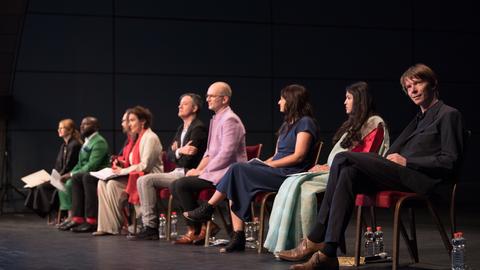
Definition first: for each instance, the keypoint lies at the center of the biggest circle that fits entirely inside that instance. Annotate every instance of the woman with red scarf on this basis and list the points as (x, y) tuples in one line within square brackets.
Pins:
[(145, 157)]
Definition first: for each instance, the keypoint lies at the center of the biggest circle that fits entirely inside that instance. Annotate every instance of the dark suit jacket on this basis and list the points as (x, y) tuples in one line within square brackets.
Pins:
[(67, 156), (197, 133), (434, 148)]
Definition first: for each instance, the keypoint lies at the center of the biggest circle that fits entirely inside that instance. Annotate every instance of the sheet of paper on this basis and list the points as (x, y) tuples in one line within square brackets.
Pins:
[(299, 174), (36, 178), (56, 182), (105, 174), (258, 161)]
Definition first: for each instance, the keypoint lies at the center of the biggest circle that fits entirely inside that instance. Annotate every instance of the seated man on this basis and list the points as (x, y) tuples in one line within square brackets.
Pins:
[(186, 151), (425, 153), (93, 157), (226, 145)]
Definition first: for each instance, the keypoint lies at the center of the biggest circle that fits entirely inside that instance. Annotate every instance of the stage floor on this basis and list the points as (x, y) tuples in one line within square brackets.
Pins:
[(27, 242)]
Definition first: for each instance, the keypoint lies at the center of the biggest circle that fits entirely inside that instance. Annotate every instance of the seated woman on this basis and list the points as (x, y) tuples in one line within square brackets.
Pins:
[(42, 199), (295, 207), (145, 157), (294, 153)]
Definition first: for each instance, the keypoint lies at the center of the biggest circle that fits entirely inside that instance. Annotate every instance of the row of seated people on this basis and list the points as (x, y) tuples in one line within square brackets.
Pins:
[(428, 149)]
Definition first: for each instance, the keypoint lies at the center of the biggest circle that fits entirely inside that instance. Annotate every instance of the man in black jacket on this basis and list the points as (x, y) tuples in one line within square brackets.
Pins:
[(186, 151), (425, 153)]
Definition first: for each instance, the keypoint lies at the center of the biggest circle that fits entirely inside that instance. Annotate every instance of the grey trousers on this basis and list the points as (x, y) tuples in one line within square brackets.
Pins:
[(147, 186)]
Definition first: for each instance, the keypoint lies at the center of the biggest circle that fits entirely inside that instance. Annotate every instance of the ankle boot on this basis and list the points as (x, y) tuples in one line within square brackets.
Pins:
[(200, 214), (236, 244)]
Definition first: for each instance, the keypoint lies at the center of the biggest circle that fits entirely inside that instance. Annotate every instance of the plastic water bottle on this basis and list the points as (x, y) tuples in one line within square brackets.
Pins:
[(174, 220), (458, 251), (249, 237), (378, 240), (162, 222), (251, 233), (256, 227), (369, 242)]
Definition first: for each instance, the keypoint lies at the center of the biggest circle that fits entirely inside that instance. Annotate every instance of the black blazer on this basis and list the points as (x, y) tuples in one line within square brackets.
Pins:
[(198, 134), (67, 157), (434, 149)]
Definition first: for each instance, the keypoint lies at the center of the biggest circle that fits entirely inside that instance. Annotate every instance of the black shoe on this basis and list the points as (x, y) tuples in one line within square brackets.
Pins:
[(202, 213), (236, 244), (148, 233), (85, 228), (69, 225), (63, 223)]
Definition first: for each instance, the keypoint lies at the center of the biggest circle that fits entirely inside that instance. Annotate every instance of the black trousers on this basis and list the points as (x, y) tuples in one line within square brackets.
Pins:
[(84, 195), (42, 199), (353, 173), (185, 192)]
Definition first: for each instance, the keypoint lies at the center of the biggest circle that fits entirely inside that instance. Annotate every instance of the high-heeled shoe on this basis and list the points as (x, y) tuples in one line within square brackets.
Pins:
[(236, 244), (200, 214)]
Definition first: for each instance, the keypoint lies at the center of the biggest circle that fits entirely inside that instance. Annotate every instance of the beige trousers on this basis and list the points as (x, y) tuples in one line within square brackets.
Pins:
[(111, 201)]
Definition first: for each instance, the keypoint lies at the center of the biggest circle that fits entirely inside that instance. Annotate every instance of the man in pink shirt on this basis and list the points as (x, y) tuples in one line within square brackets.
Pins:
[(226, 145)]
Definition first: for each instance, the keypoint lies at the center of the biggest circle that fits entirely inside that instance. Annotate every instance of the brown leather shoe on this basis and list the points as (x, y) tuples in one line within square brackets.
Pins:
[(200, 239), (302, 252), (318, 261), (186, 239)]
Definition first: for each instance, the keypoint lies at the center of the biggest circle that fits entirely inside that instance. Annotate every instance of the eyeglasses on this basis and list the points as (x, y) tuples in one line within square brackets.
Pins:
[(213, 96)]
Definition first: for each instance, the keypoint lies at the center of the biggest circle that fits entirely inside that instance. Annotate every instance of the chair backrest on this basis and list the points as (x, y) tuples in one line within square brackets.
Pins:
[(168, 165), (453, 217), (317, 150), (253, 151)]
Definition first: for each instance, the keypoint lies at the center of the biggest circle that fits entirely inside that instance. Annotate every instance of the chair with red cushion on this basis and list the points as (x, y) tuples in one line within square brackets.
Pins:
[(397, 201), (164, 193), (263, 198), (253, 151)]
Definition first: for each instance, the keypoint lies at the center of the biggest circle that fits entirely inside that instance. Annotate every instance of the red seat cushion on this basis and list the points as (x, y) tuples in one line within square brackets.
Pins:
[(364, 200), (164, 193), (388, 198), (206, 194)]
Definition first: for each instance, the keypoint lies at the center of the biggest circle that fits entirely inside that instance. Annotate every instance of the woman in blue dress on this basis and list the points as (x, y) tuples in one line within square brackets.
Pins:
[(294, 153)]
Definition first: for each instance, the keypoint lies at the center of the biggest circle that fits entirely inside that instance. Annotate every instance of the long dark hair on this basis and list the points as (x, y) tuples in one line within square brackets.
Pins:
[(297, 105), (362, 109)]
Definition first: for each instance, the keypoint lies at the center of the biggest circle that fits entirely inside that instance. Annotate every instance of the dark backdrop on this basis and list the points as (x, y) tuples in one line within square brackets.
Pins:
[(98, 57)]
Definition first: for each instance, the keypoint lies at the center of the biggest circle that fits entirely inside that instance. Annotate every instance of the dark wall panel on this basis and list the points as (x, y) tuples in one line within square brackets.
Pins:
[(160, 94), (42, 99), (340, 53), (382, 14), (248, 10), (462, 16), (454, 56), (86, 7), (151, 46), (66, 43)]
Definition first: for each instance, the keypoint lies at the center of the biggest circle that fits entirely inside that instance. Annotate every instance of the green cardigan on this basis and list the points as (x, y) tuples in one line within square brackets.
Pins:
[(93, 156)]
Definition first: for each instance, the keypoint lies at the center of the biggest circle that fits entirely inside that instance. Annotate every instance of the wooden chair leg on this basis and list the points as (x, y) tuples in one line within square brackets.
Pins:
[(207, 234), (358, 236), (59, 215), (395, 238), (263, 210), (169, 218), (440, 227), (133, 216), (413, 236)]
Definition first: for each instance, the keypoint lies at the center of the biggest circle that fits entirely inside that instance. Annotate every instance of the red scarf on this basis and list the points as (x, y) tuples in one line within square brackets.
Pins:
[(126, 151), (131, 188)]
